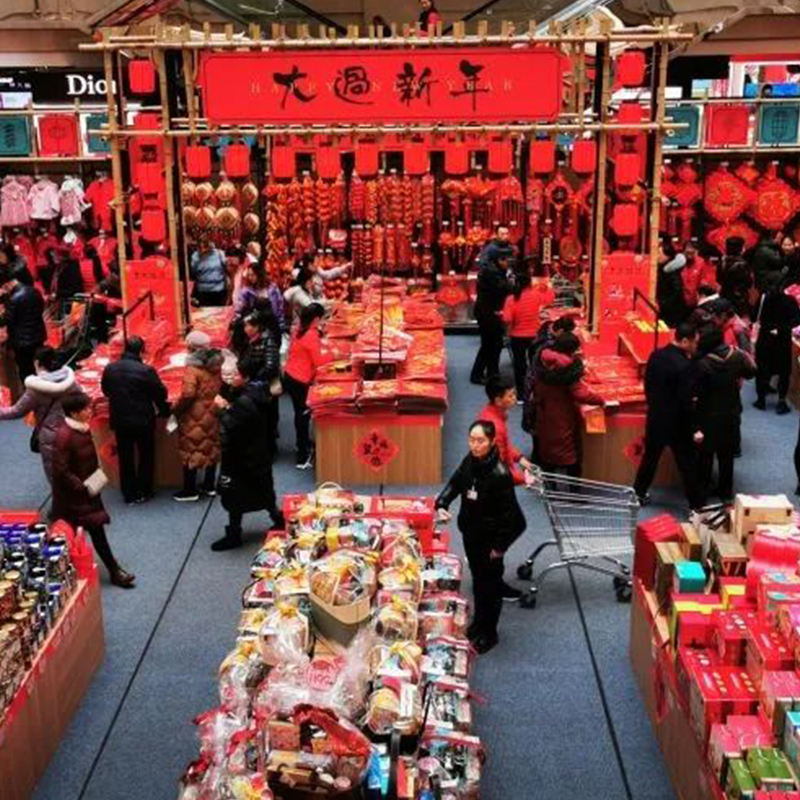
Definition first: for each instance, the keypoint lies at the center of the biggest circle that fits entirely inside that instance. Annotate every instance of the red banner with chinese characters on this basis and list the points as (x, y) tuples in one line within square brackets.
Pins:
[(158, 275), (385, 86), (622, 272)]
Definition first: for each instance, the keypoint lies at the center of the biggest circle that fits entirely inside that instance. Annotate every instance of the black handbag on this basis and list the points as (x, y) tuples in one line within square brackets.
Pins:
[(35, 446)]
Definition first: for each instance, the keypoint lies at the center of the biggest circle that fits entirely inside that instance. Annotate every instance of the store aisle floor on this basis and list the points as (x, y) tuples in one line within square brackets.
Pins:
[(562, 716)]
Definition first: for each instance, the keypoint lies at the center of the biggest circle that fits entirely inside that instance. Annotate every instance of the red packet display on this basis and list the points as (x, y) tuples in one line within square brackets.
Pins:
[(732, 630), (767, 650)]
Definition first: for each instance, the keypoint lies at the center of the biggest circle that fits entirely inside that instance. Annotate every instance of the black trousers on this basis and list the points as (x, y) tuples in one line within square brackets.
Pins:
[(209, 299), (302, 416), (774, 357), (136, 448), (24, 358), (519, 349), (190, 479), (487, 584), (487, 360), (724, 451), (97, 533), (685, 457)]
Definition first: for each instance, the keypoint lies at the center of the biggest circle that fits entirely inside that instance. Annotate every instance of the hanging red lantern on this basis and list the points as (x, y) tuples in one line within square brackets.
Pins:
[(415, 158), (543, 157), (328, 165), (627, 169), (237, 160), (147, 121), (150, 177), (500, 156), (584, 156), (198, 161), (142, 76), (631, 66), (456, 158), (625, 219), (282, 162), (367, 159), (154, 225)]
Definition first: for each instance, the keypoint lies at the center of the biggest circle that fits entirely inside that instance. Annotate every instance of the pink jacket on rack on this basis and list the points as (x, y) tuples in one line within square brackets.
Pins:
[(71, 196), (43, 200), (14, 204)]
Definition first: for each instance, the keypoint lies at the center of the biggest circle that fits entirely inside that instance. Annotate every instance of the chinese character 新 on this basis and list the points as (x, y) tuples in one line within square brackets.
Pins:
[(351, 84), (412, 86), (290, 81), (472, 79)]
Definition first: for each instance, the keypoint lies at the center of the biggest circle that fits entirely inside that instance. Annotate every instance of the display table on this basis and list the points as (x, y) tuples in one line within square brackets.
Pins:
[(51, 692)]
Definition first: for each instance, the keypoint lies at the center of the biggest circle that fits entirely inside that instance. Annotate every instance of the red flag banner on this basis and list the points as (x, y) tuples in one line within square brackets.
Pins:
[(388, 86)]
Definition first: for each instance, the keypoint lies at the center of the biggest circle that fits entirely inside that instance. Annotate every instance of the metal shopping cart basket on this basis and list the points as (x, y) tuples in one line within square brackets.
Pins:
[(593, 525)]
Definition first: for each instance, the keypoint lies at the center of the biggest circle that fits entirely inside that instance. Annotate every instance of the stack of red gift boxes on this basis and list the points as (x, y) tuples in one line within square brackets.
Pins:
[(731, 644)]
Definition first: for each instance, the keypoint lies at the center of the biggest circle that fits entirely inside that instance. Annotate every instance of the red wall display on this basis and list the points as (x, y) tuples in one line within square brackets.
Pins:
[(727, 125), (156, 274), (58, 135), (493, 84), (622, 273)]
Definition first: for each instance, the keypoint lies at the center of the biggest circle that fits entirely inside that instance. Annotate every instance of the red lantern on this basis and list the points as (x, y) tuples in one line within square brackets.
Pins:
[(627, 169), (543, 157), (142, 76), (625, 219), (584, 156), (147, 121), (366, 158), (631, 67), (328, 164), (154, 225), (150, 177), (198, 161), (456, 158), (415, 159), (501, 156), (237, 160), (282, 161)]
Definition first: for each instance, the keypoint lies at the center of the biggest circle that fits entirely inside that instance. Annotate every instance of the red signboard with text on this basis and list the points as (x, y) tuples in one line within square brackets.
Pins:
[(156, 274), (382, 86)]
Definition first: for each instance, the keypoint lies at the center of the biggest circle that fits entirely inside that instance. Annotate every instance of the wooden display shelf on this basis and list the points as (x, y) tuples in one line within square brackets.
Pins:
[(53, 688), (418, 462)]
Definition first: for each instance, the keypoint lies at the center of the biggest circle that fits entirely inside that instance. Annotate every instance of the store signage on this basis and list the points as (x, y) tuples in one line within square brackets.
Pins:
[(382, 86), (155, 274), (56, 85)]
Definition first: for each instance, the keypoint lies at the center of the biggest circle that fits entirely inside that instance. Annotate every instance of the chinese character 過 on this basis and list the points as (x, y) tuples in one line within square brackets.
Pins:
[(412, 86), (352, 83), (289, 82), (472, 79)]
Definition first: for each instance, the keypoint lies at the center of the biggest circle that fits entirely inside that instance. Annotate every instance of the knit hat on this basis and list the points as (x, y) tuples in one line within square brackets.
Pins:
[(197, 340)]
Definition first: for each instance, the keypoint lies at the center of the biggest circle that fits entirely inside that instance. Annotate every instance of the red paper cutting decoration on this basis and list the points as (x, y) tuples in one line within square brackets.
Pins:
[(727, 125), (237, 160), (631, 67), (625, 219), (774, 201), (154, 225), (58, 135), (415, 159), (719, 236), (627, 168), (584, 156), (376, 450), (282, 163), (726, 197), (456, 158), (198, 161), (501, 156), (367, 159), (543, 157), (142, 76)]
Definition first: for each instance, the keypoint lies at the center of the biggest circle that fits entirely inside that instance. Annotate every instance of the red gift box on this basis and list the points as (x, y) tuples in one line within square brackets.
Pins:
[(688, 662), (750, 730), (743, 691), (767, 650), (662, 528), (780, 691), (732, 630), (695, 629), (709, 701), (722, 747), (775, 589)]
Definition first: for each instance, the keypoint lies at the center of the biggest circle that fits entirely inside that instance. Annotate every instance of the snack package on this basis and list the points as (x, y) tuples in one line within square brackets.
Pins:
[(251, 620), (444, 614), (394, 705), (448, 705), (291, 581), (269, 558), (284, 635), (303, 546), (259, 594), (404, 579), (396, 621), (446, 656), (352, 534), (442, 573), (343, 578), (398, 660), (239, 675), (455, 759), (398, 545)]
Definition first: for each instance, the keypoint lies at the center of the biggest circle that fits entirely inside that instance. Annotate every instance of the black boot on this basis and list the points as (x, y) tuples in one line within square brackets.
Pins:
[(278, 521), (230, 541)]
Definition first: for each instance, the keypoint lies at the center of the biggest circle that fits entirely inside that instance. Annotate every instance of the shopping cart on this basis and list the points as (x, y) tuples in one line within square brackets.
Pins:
[(593, 525)]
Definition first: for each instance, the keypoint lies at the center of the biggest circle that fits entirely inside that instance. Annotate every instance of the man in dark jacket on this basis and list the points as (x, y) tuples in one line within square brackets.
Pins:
[(135, 393), (767, 262), (493, 288), (23, 319), (668, 387), (496, 248), (718, 410), (246, 482)]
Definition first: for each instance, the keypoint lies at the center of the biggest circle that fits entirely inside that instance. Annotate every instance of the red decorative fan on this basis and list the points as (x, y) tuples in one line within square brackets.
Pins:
[(726, 197)]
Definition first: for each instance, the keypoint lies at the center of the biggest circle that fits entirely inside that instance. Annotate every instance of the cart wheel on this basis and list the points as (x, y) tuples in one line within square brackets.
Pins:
[(625, 570), (620, 583), (624, 594), (525, 572), (528, 600)]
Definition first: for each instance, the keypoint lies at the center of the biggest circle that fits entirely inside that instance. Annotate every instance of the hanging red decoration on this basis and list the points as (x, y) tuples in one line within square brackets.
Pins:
[(328, 164), (150, 177), (415, 159), (376, 450), (726, 197), (727, 124), (367, 159), (584, 156), (500, 156), (625, 219), (142, 76), (237, 160), (154, 225), (627, 169), (456, 158), (58, 135), (631, 112), (198, 161), (719, 236), (631, 66), (282, 163), (774, 202), (748, 172), (543, 157)]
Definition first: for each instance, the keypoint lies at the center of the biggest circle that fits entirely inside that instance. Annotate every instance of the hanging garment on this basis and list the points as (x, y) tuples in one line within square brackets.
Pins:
[(14, 204), (23, 245), (43, 200), (100, 193), (72, 198), (106, 248)]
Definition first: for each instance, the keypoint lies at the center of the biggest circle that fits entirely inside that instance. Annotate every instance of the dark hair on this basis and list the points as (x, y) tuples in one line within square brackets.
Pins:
[(734, 246), (307, 316), (486, 425), (47, 358), (564, 324), (685, 330), (5, 275), (710, 339), (722, 306), (704, 290), (567, 343), (260, 273), (497, 386), (248, 367), (668, 247), (9, 251), (522, 281), (74, 402), (304, 275), (134, 345)]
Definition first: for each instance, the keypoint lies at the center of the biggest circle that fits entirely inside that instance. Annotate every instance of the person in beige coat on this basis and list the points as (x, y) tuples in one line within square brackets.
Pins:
[(198, 425)]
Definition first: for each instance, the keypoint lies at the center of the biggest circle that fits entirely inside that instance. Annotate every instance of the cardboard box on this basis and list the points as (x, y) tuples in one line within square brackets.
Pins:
[(752, 510), (691, 542), (727, 555), (661, 528), (339, 624), (689, 577), (667, 555)]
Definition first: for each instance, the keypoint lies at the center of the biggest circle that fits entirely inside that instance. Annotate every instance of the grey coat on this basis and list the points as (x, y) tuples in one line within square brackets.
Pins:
[(43, 395)]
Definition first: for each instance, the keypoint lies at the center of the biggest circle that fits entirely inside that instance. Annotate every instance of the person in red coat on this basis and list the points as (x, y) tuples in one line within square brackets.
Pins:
[(559, 392), (305, 356), (77, 482), (429, 17)]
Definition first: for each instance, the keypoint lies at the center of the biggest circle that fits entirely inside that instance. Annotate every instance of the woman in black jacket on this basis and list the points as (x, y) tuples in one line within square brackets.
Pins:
[(246, 483), (490, 520), (22, 317)]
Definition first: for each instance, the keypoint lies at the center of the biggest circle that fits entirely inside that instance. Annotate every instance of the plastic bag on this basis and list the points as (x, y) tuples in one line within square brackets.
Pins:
[(284, 635), (396, 621), (343, 578)]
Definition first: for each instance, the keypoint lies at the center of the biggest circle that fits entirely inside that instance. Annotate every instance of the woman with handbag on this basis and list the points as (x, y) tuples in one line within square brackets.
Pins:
[(305, 357), (78, 482), (43, 395)]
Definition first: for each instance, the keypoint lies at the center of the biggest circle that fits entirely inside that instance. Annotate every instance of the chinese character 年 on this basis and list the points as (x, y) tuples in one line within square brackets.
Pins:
[(472, 79), (289, 81)]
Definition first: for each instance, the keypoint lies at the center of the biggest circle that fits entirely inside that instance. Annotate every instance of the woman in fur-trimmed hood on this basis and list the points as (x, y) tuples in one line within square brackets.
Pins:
[(43, 394)]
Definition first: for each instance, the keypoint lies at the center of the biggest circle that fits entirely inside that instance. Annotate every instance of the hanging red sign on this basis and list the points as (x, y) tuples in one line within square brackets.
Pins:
[(156, 274), (376, 450), (459, 85)]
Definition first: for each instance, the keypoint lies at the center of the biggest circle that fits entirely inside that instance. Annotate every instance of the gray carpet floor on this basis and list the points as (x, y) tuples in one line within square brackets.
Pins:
[(562, 716)]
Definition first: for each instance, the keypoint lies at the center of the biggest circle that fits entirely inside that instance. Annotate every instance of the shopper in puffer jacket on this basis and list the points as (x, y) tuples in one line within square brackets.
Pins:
[(44, 392), (490, 520), (23, 318), (559, 392), (198, 424)]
